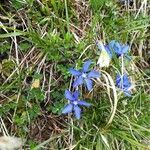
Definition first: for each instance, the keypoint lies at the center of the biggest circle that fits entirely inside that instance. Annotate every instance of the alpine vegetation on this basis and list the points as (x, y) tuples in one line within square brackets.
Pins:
[(75, 74), (85, 75)]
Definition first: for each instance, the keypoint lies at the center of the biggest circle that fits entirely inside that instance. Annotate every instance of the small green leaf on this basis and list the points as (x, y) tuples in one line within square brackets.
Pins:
[(11, 34)]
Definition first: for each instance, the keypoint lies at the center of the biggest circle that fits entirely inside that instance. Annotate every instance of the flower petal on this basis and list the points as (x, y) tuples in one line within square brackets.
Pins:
[(123, 82), (86, 65), (77, 112), (76, 94), (67, 109), (126, 81), (108, 50), (74, 72), (115, 47), (125, 49), (118, 49), (84, 103), (118, 79), (69, 95), (93, 74), (111, 44), (78, 81), (89, 84)]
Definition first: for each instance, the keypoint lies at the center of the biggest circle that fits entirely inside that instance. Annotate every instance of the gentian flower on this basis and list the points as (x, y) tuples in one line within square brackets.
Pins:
[(123, 82), (107, 52), (74, 103), (117, 48), (84, 75)]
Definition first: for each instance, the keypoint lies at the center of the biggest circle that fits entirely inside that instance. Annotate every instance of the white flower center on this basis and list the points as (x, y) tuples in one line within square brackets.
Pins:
[(84, 75), (75, 102)]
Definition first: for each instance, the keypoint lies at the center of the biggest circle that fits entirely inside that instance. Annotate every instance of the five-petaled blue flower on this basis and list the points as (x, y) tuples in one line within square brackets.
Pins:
[(74, 103), (114, 48), (84, 75), (123, 82), (117, 48)]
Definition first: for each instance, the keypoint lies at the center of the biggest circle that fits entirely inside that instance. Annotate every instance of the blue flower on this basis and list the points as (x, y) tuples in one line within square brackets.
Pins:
[(123, 82), (117, 48), (84, 75), (114, 47), (74, 103), (108, 50)]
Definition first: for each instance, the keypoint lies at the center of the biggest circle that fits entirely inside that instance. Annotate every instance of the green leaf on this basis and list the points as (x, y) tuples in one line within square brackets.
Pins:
[(11, 34), (99, 145)]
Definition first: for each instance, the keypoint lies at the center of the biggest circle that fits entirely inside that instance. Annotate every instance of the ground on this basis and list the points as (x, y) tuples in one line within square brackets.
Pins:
[(41, 40)]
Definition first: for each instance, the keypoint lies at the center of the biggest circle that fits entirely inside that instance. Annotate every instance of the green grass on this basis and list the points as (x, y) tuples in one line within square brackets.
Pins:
[(40, 41)]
